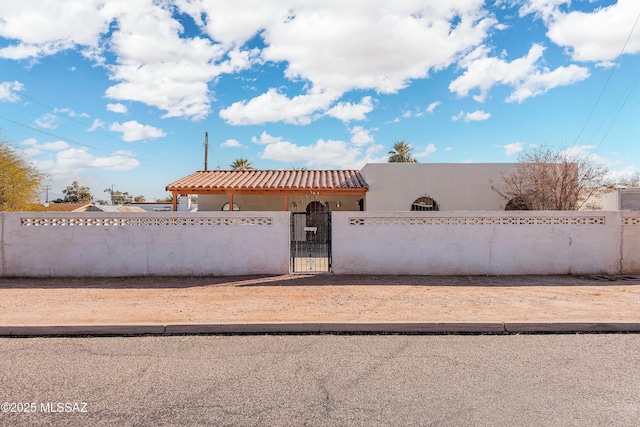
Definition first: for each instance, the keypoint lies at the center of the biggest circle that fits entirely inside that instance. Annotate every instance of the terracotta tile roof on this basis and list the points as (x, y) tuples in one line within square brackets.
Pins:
[(276, 180)]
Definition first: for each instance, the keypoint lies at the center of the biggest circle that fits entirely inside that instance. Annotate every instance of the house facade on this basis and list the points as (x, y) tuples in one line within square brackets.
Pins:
[(381, 187), (273, 190)]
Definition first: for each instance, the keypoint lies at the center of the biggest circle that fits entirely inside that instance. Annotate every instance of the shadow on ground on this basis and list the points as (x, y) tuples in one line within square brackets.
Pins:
[(157, 282)]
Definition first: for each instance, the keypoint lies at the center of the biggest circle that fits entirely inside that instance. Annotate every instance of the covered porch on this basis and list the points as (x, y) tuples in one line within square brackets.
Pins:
[(273, 190)]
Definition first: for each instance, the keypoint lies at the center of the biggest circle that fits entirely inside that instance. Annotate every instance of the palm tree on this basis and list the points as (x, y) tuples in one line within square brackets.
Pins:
[(241, 165), (401, 153)]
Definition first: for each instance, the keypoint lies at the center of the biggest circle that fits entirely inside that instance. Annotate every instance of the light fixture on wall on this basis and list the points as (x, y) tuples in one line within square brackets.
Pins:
[(338, 204), (294, 205)]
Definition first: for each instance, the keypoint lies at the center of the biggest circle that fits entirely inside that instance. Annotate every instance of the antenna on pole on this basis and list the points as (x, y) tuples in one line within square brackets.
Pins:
[(206, 149)]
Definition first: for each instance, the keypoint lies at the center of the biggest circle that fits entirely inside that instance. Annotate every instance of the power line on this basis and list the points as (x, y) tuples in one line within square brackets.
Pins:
[(604, 88), (76, 143)]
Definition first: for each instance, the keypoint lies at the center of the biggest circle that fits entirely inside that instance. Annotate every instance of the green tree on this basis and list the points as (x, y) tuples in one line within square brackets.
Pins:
[(139, 199), (401, 153), (241, 164), (76, 193), (19, 181), (118, 197)]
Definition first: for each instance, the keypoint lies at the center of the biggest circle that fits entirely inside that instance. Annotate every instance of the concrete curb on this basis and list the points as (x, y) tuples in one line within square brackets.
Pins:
[(327, 327), (319, 327), (71, 330), (529, 327)]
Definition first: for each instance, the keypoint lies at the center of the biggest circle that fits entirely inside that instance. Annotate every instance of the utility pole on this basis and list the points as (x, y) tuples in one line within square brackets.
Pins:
[(206, 149)]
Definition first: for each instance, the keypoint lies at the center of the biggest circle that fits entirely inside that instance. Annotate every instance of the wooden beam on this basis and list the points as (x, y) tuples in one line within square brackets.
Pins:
[(286, 202)]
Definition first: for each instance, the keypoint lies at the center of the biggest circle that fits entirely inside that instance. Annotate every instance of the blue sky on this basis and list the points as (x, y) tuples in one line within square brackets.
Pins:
[(120, 93)]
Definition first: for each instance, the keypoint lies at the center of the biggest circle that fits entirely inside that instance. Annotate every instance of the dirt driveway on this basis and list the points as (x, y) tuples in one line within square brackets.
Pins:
[(316, 298)]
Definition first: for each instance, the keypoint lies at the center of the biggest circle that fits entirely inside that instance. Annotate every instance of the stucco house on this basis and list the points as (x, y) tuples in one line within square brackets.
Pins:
[(377, 187)]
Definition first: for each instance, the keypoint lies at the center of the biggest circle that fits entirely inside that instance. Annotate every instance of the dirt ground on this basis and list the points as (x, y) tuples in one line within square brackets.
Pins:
[(317, 298)]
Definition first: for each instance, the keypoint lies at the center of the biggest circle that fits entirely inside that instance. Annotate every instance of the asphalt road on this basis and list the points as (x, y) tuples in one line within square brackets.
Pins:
[(323, 380)]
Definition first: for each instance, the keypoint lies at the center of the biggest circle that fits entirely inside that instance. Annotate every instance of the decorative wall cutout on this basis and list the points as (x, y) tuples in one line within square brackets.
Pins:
[(145, 221), (631, 220), (509, 220)]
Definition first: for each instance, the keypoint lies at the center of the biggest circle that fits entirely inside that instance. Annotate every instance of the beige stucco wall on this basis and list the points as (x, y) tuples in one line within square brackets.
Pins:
[(248, 202), (454, 186)]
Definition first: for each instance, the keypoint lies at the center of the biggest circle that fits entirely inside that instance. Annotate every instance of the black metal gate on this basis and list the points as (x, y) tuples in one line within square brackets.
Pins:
[(310, 242)]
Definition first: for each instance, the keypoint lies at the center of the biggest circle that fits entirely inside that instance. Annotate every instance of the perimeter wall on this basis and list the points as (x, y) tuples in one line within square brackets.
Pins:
[(237, 243), (132, 244)]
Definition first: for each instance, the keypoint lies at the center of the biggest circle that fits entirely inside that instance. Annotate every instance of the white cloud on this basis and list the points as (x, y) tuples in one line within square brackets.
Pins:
[(47, 121), (457, 116), (429, 150), (323, 41), (513, 148), (273, 106), (134, 131), (159, 66), (596, 36), (8, 91), (118, 161), (29, 141), (476, 116), (360, 136), (432, 107), (265, 139), (155, 62), (584, 152), (117, 108), (320, 43), (618, 175), (323, 154), (45, 28), (525, 75), (64, 163), (97, 124), (231, 143), (347, 111), (69, 112), (55, 146), (542, 8), (543, 81)]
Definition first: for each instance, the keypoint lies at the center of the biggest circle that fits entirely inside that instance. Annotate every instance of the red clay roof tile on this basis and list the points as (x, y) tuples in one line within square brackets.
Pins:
[(270, 180)]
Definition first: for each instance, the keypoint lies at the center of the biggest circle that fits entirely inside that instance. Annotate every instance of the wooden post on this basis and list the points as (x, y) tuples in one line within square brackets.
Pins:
[(286, 202), (230, 202), (175, 201)]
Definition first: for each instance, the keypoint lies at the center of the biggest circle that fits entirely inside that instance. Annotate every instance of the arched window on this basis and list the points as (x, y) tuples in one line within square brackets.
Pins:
[(518, 203), (424, 204), (315, 207), (225, 207)]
